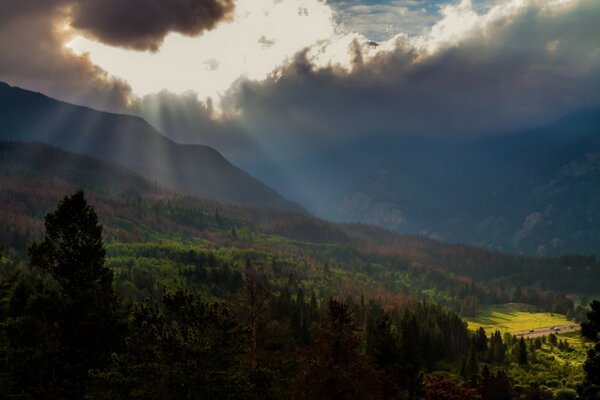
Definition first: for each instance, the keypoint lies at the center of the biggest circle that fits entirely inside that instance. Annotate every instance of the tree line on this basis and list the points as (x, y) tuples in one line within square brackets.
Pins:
[(66, 332)]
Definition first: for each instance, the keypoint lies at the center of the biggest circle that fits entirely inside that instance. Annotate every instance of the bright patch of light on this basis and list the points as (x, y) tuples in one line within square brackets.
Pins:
[(460, 20), (264, 34)]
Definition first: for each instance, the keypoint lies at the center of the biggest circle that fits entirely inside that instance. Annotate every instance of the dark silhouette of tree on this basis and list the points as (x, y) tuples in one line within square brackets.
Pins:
[(522, 358), (30, 340), (72, 251), (472, 367), (481, 341), (409, 371), (590, 329), (334, 367), (383, 346), (252, 306), (439, 387), (497, 349), (189, 349), (495, 386), (80, 323)]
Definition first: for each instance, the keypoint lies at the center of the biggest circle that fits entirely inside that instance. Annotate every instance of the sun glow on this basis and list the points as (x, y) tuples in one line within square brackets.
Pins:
[(263, 34)]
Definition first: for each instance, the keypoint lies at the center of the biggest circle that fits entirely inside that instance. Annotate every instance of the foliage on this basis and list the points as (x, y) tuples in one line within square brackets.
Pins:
[(256, 315), (334, 366), (63, 321), (591, 328), (440, 387), (187, 350)]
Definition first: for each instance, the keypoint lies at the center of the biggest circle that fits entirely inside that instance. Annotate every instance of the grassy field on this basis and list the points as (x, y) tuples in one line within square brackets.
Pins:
[(514, 317)]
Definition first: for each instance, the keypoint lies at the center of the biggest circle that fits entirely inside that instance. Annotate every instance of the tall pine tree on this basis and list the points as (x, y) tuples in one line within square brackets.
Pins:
[(73, 254)]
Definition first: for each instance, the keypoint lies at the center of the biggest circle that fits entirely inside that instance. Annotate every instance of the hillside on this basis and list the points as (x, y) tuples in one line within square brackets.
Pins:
[(338, 258), (532, 192), (172, 258), (131, 142)]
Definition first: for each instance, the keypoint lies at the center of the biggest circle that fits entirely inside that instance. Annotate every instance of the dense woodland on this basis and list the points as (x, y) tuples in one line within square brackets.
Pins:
[(85, 319), (180, 297), (147, 227)]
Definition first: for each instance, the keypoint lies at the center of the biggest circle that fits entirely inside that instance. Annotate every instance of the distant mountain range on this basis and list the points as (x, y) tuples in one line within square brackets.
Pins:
[(133, 143), (35, 177), (533, 192)]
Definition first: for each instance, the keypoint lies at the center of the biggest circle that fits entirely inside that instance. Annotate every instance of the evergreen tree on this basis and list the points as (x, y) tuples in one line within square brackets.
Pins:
[(463, 368), (590, 329), (188, 349), (411, 377), (252, 306), (79, 306), (495, 386), (472, 367), (481, 340), (522, 352), (497, 349), (72, 250), (334, 366)]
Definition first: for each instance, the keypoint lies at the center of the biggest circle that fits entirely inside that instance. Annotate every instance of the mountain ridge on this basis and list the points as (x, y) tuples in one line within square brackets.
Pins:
[(132, 142), (34, 178), (531, 192)]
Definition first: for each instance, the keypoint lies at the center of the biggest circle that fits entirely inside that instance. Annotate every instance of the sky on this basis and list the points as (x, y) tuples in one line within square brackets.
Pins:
[(282, 77)]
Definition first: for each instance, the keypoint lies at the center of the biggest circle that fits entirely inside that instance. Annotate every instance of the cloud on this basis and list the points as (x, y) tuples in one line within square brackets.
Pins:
[(471, 74), (262, 35), (509, 65), (32, 55), (34, 34), (186, 119), (143, 24)]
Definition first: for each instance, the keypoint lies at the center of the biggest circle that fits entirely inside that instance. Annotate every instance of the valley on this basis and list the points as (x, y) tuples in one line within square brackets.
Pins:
[(299, 200), (281, 277)]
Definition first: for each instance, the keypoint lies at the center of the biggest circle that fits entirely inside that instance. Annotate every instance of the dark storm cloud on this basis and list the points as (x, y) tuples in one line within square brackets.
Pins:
[(143, 24), (33, 35), (514, 71), (32, 55)]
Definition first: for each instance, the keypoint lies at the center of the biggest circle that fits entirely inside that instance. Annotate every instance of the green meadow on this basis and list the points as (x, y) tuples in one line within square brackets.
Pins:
[(514, 317)]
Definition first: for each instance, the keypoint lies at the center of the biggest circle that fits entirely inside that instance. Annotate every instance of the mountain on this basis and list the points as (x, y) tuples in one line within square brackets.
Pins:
[(131, 142), (139, 216), (189, 274), (532, 192)]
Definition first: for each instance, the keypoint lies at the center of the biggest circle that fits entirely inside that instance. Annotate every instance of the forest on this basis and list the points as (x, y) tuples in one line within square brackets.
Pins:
[(299, 200), (86, 317)]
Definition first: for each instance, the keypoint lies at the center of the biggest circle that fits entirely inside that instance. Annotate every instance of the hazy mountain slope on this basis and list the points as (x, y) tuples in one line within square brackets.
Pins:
[(34, 177), (130, 141), (534, 192), (31, 162)]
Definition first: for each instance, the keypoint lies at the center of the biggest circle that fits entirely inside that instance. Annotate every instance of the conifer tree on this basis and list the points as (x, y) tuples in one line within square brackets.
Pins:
[(73, 253), (591, 330), (472, 367), (334, 365), (66, 323), (522, 352), (481, 340)]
